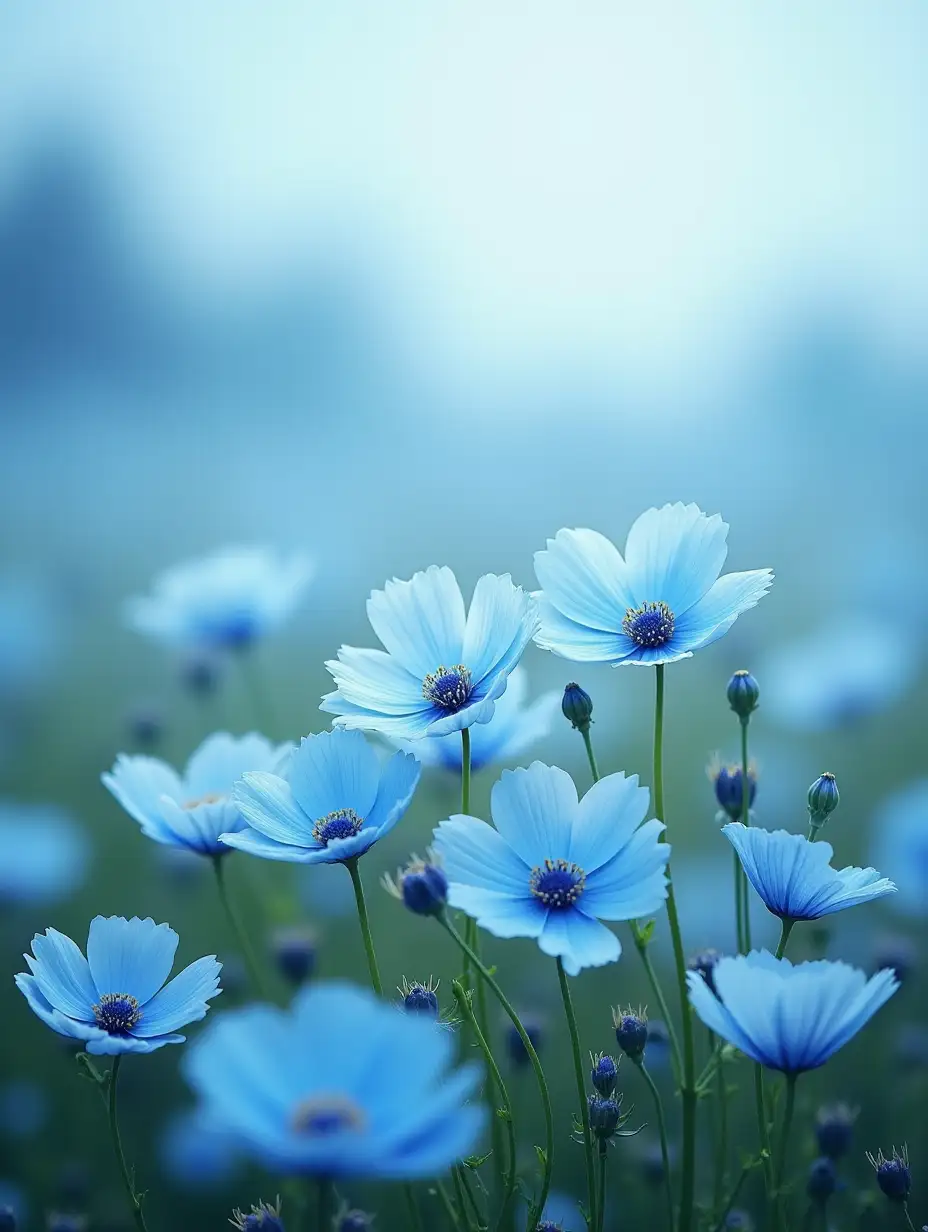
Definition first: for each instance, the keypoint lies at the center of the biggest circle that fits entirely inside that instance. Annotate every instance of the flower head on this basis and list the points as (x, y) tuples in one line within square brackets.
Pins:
[(606, 1116), (116, 1000), (265, 1217), (631, 1032), (442, 670), (333, 803), (705, 963), (794, 877), (788, 1018), (422, 885), (743, 693), (339, 1085), (834, 1128), (194, 1151), (822, 1179), (192, 809), (823, 799), (45, 853), (294, 950), (900, 845), (660, 602), (605, 1073), (892, 1174), (554, 868), (577, 707), (350, 1220), (419, 998), (225, 601), (728, 783)]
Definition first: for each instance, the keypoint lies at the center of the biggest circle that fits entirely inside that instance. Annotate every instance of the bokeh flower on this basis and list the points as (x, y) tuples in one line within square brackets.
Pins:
[(554, 868), (660, 602), (335, 801), (899, 844), (196, 1152), (794, 877), (226, 601), (116, 1000), (513, 729), (443, 669), (192, 809), (339, 1085), (45, 853), (788, 1018)]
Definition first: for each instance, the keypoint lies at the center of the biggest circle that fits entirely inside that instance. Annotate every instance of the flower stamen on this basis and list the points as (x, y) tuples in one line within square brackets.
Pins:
[(320, 1116), (558, 883), (117, 1013), (449, 688), (341, 823), (650, 625)]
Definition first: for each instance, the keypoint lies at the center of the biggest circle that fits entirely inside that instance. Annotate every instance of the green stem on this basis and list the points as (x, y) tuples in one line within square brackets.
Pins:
[(415, 1219), (326, 1194), (465, 770), (601, 1201), (641, 945), (470, 1200), (509, 1186), (134, 1198), (908, 1217), (761, 1102), (786, 929), (449, 1206), (739, 903), (745, 821), (459, 1197), (733, 1196), (721, 1154), (529, 1047), (688, 1085), (241, 938), (580, 1076), (352, 867), (591, 756), (662, 1131), (783, 1148)]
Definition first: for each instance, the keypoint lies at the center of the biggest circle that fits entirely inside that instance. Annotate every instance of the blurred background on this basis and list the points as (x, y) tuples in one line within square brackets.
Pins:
[(423, 283)]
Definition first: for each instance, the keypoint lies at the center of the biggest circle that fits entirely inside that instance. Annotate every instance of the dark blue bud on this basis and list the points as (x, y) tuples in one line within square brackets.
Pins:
[(353, 1221), (822, 1180), (294, 951), (262, 1218), (834, 1130), (631, 1032), (705, 963), (651, 1161), (577, 706), (514, 1046), (548, 1225), (897, 954), (605, 1115), (7, 1219), (57, 1222), (739, 1221), (727, 781), (420, 999), (604, 1074), (743, 693), (892, 1174), (146, 727), (424, 889), (200, 675), (823, 799)]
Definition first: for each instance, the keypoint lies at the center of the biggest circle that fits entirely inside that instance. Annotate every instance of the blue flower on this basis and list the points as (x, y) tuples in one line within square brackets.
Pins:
[(442, 671), (222, 602), (115, 1000), (45, 853), (788, 1018), (195, 1151), (794, 877), (659, 603), (900, 845), (193, 809), (334, 804), (512, 731), (554, 868), (341, 1085)]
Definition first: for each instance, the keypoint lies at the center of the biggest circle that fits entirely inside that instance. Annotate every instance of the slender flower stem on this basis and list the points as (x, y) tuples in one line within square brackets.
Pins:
[(241, 937), (761, 1102), (135, 1199), (580, 1075), (688, 1085), (662, 1131), (739, 904), (459, 1196), (415, 1219), (470, 1200), (326, 1194), (785, 931), (908, 1217), (591, 756), (733, 1196), (641, 945), (601, 1201), (721, 1155), (449, 1206), (352, 867), (532, 1056), (783, 1149), (745, 821)]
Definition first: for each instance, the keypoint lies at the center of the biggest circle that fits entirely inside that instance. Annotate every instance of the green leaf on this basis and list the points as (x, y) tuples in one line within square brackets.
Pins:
[(473, 1162)]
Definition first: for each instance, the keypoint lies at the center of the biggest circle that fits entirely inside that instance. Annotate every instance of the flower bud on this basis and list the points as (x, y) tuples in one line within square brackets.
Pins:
[(822, 1180), (420, 998), (514, 1046), (421, 886), (577, 706), (352, 1221), (823, 799), (605, 1115), (834, 1129), (705, 963), (631, 1032), (892, 1175), (604, 1074), (294, 951), (727, 781), (743, 693)]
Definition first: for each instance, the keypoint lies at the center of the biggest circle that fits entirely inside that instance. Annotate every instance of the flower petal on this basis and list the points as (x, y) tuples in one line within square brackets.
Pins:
[(222, 759), (578, 642), (182, 1000), (130, 956), (420, 622), (62, 974), (578, 941), (585, 578), (399, 779), (674, 554), (333, 771), (255, 843), (607, 817), (138, 783), (376, 681), (535, 811), (42, 1008), (501, 622), (475, 854), (716, 612), (267, 804)]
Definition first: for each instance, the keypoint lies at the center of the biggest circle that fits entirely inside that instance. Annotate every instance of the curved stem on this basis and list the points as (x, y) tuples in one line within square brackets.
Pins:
[(688, 1085), (529, 1047), (446, 1202), (733, 1196), (241, 938), (352, 867), (761, 1103), (509, 1187), (784, 1148), (591, 756), (134, 1199), (908, 1217), (662, 1130), (580, 1076), (641, 945), (787, 928), (601, 1200)]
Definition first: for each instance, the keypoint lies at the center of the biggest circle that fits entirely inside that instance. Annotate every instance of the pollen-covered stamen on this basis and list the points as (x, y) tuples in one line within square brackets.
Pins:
[(342, 823), (117, 1012), (557, 883), (650, 625), (325, 1114), (449, 688), (209, 798)]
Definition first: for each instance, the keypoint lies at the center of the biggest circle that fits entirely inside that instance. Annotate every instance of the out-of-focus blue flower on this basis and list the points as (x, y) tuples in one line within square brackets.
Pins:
[(794, 877), (851, 668), (659, 603), (350, 1220), (514, 728), (554, 868), (788, 1018), (834, 1129), (116, 1000), (535, 1030), (340, 1085), (294, 951), (442, 670), (23, 1109), (335, 802), (225, 601), (196, 1151), (822, 1179), (45, 853), (729, 788), (631, 1031), (705, 962), (192, 810), (900, 844), (899, 954), (13, 1199)]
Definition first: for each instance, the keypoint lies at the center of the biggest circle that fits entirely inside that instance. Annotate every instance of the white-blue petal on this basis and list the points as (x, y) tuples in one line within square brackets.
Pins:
[(716, 612), (333, 771), (500, 624), (420, 622), (475, 854), (130, 956), (673, 555), (535, 810), (607, 817), (398, 781), (267, 804), (578, 941), (583, 575), (43, 1009), (578, 642), (222, 759), (376, 681)]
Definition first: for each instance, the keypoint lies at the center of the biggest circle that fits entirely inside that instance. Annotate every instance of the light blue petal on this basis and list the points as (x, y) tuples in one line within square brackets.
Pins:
[(377, 681), (42, 1008), (222, 759), (480, 709), (634, 882), (138, 783), (585, 578), (716, 1017), (500, 914), (500, 624), (130, 956), (398, 781), (116, 1045), (437, 1145), (267, 803), (350, 717), (608, 815), (650, 656), (673, 555), (198, 828), (580, 643), (578, 941), (182, 1000), (475, 854), (62, 974), (535, 811), (257, 844), (718, 610), (420, 622), (332, 771), (856, 1013)]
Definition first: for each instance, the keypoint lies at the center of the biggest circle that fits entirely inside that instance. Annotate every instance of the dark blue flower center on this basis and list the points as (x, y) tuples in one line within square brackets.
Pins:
[(420, 999), (117, 1013), (320, 1116), (557, 883), (650, 625), (448, 687), (342, 823)]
